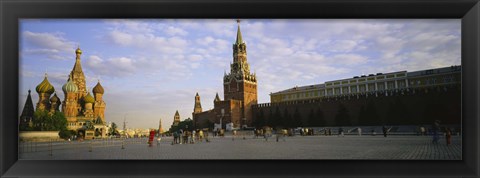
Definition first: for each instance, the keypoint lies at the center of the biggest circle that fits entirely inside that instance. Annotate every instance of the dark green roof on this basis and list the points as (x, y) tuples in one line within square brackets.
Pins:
[(239, 36)]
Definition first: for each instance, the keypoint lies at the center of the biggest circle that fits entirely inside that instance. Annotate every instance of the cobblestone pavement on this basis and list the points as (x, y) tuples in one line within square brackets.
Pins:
[(297, 147)]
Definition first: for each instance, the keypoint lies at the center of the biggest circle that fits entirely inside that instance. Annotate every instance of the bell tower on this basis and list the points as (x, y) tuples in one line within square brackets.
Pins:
[(239, 83)]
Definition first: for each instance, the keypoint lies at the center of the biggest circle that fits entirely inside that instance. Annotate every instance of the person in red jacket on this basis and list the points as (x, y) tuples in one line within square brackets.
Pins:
[(150, 139)]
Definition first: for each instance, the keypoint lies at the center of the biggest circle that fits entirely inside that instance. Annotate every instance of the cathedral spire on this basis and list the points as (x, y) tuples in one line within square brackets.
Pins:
[(27, 112), (78, 66), (239, 34), (217, 98), (198, 106)]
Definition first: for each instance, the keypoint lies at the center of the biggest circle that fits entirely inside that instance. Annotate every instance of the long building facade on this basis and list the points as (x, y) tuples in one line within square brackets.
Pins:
[(398, 98), (380, 83)]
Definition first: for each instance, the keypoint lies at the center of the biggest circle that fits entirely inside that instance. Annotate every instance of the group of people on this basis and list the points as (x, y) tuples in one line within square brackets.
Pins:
[(189, 137)]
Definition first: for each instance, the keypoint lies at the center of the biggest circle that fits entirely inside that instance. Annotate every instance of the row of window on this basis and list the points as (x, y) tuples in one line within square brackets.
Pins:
[(76, 124), (379, 86), (362, 80)]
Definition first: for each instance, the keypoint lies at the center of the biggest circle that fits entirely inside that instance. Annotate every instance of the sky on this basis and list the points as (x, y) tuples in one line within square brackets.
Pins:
[(150, 68)]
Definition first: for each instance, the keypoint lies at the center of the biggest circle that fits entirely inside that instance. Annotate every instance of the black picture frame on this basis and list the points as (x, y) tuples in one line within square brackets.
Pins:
[(12, 11)]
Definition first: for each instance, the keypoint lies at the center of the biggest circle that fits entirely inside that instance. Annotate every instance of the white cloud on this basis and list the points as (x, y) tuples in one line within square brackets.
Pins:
[(113, 67), (172, 31), (52, 45), (348, 59)]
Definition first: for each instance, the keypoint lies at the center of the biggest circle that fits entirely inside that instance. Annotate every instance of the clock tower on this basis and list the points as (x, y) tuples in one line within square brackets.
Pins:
[(239, 83)]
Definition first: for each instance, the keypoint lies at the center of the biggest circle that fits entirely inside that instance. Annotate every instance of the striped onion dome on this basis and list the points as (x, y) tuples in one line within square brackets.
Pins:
[(89, 98), (45, 86), (70, 87)]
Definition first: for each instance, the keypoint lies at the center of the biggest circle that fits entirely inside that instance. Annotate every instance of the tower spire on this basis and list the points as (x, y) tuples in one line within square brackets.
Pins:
[(239, 34)]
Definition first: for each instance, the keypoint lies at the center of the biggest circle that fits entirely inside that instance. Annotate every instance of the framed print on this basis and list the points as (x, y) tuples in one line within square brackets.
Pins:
[(269, 88)]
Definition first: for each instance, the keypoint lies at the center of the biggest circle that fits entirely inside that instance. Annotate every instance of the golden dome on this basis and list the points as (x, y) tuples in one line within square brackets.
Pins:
[(98, 88), (89, 98), (78, 51), (45, 86)]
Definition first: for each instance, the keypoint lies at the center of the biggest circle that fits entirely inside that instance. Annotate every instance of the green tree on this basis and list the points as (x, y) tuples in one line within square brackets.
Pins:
[(113, 129), (187, 124), (45, 121), (39, 118), (342, 118)]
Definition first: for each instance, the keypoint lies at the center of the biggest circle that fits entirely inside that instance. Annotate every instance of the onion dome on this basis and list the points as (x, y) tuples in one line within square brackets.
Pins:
[(45, 86), (98, 88), (70, 87), (54, 99), (78, 51), (89, 98)]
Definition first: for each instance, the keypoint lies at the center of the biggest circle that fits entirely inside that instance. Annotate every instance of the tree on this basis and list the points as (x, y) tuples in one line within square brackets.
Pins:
[(342, 118), (113, 129), (39, 117), (187, 124), (66, 134), (45, 121), (259, 119)]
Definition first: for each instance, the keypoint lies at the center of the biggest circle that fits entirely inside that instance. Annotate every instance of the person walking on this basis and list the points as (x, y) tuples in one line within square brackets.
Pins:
[(448, 136), (359, 131), (193, 136), (340, 132), (175, 138), (435, 129), (385, 130), (151, 137), (200, 135), (422, 130)]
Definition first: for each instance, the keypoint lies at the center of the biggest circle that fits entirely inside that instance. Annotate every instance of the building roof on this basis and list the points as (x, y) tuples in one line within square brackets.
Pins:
[(45, 86), (408, 74), (98, 88), (28, 108), (239, 34)]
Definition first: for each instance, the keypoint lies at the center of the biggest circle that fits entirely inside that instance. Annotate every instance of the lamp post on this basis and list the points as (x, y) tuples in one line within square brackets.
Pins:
[(125, 125)]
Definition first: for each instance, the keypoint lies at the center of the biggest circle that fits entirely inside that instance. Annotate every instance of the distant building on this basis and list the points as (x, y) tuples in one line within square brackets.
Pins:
[(176, 119), (160, 129), (26, 118), (397, 98), (240, 93), (379, 83)]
